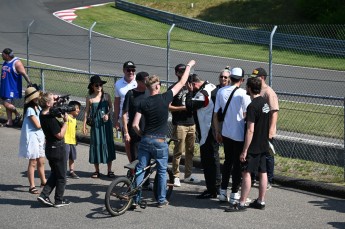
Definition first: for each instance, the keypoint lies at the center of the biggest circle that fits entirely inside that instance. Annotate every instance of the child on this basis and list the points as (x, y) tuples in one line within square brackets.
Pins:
[(32, 139), (70, 138)]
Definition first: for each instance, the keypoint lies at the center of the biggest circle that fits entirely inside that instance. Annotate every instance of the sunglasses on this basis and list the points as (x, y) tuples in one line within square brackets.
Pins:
[(130, 70), (98, 85), (225, 77)]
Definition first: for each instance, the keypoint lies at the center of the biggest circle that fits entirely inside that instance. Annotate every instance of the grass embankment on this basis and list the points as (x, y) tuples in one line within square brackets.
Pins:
[(127, 26)]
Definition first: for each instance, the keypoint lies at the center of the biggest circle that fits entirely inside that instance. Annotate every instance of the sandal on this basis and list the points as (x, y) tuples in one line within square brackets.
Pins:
[(17, 119), (111, 174), (96, 175), (33, 190)]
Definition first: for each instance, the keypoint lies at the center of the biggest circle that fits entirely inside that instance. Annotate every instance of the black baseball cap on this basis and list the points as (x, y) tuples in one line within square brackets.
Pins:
[(259, 72), (180, 67), (129, 64)]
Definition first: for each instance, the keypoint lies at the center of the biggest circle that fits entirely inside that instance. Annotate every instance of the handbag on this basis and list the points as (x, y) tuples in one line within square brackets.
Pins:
[(90, 118), (220, 113)]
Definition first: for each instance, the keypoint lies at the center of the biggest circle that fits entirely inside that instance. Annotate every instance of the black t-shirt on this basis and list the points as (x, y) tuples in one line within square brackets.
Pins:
[(258, 113), (184, 118), (50, 126), (132, 100), (155, 109)]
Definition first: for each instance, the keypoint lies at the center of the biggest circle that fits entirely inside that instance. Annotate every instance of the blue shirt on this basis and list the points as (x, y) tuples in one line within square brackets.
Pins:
[(11, 81)]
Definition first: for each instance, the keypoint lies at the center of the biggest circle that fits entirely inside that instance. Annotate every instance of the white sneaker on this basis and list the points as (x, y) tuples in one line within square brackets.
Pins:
[(177, 182), (191, 179), (234, 198), (223, 196)]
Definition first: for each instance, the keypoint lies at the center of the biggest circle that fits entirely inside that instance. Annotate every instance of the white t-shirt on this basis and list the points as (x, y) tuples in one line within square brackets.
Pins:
[(121, 89), (233, 125)]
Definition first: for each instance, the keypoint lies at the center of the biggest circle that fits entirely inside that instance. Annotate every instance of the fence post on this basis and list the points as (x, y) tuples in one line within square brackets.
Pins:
[(42, 79), (270, 54), (168, 51), (27, 45), (90, 36)]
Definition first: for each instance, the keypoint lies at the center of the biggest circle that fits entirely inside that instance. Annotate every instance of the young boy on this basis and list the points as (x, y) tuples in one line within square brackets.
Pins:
[(70, 138)]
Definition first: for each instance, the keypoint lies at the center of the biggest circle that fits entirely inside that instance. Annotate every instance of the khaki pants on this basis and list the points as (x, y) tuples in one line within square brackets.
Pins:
[(186, 137)]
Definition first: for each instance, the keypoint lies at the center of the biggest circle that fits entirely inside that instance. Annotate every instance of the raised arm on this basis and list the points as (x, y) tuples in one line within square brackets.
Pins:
[(183, 79)]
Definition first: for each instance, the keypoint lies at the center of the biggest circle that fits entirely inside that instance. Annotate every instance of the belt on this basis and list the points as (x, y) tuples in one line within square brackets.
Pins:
[(159, 138)]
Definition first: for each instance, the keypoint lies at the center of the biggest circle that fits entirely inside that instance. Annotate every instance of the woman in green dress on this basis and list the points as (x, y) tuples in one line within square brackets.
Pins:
[(99, 106)]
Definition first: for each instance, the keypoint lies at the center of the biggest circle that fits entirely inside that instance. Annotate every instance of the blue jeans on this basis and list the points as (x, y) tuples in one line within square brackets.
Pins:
[(153, 148)]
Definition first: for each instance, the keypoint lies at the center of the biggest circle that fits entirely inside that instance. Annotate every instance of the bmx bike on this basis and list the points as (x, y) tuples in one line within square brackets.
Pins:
[(123, 192)]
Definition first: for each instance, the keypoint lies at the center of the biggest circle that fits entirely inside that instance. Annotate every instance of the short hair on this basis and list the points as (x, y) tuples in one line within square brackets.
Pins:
[(74, 103), (151, 80), (8, 51), (194, 78), (44, 98), (254, 84)]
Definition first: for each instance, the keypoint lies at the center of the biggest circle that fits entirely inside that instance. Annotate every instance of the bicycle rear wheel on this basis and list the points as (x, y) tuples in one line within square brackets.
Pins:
[(169, 187), (117, 200)]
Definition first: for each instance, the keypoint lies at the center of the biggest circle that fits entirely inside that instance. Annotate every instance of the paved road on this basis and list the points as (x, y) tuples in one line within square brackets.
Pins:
[(65, 45), (286, 208)]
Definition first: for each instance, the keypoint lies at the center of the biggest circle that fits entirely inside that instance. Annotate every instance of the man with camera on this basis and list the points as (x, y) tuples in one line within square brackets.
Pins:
[(199, 99)]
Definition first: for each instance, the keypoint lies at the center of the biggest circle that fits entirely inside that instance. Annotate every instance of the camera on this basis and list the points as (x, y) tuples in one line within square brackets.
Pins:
[(60, 107)]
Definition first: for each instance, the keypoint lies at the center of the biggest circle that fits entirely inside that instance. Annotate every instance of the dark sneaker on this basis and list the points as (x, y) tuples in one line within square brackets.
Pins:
[(17, 119), (61, 203), (255, 204), (163, 204), (206, 195), (236, 208), (73, 175), (45, 201)]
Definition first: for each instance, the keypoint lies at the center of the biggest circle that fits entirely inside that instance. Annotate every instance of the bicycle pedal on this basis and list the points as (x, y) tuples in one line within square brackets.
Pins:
[(143, 204)]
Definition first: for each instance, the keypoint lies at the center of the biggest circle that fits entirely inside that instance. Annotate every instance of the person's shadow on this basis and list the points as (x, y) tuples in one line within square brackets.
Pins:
[(332, 205)]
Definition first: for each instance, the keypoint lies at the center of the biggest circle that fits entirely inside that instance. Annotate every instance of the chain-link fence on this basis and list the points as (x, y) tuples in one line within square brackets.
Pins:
[(310, 127)]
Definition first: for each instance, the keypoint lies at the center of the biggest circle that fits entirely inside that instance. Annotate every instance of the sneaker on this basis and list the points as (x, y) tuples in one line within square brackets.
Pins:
[(61, 203), (177, 182), (236, 208), (45, 200), (234, 197), (269, 186), (255, 204), (73, 175), (206, 195), (191, 179), (223, 196), (163, 204), (255, 184), (17, 119)]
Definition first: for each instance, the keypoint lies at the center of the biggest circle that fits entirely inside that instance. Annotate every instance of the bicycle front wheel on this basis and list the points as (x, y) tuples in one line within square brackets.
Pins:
[(117, 200), (169, 186)]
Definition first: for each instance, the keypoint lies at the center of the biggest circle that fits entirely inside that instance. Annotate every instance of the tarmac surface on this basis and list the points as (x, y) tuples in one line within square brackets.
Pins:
[(285, 207)]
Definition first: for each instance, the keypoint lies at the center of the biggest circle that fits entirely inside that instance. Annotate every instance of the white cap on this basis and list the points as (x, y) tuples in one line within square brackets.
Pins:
[(237, 73)]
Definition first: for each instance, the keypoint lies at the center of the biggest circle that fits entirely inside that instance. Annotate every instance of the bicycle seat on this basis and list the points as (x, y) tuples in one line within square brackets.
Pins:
[(132, 165)]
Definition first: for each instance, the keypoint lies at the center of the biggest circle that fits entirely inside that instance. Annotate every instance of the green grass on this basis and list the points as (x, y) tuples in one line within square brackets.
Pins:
[(138, 29)]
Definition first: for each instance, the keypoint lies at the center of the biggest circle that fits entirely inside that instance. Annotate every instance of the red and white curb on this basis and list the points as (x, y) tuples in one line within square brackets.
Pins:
[(69, 15)]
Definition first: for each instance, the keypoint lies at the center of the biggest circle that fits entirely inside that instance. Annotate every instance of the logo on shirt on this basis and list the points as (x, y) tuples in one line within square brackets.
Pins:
[(266, 108)]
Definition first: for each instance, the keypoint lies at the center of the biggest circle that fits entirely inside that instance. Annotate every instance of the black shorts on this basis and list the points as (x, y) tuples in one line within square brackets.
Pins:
[(255, 163)]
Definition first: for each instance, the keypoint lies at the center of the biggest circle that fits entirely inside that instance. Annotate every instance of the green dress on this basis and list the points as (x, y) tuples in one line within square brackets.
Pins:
[(102, 147)]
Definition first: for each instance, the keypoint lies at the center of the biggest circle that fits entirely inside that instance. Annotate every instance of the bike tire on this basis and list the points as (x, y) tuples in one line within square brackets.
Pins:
[(169, 187), (115, 201)]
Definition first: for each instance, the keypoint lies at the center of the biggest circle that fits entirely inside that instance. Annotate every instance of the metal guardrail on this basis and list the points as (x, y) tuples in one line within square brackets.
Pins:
[(303, 43)]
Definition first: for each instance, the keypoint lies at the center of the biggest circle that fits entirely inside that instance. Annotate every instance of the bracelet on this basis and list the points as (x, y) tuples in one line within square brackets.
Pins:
[(126, 134), (189, 65)]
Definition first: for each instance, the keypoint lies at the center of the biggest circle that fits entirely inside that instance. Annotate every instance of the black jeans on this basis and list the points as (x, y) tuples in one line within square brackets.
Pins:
[(209, 156), (56, 156), (232, 165)]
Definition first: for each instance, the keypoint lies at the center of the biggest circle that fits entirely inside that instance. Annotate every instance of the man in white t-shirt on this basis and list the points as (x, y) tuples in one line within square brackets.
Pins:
[(232, 134), (122, 86)]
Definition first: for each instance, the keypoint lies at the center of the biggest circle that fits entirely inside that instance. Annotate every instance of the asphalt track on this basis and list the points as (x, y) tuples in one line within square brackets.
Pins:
[(56, 42), (285, 207)]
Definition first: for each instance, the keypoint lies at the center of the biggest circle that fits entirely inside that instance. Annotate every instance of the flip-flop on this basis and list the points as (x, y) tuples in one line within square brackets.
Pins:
[(33, 190)]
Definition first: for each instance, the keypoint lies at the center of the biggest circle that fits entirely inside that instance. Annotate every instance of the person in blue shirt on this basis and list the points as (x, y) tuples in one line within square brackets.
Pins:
[(11, 84)]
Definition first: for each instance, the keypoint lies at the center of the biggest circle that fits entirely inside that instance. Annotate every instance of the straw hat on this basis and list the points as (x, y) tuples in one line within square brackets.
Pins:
[(30, 94)]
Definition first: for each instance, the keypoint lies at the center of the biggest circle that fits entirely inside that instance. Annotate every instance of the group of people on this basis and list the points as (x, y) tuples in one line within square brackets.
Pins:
[(243, 120)]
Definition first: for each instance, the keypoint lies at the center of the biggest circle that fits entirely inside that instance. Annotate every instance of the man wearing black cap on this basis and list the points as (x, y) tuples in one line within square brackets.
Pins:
[(130, 105), (11, 84), (269, 94), (184, 131), (122, 86)]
